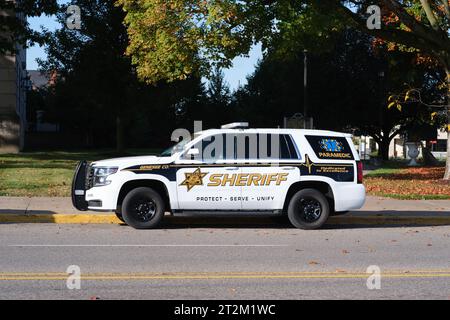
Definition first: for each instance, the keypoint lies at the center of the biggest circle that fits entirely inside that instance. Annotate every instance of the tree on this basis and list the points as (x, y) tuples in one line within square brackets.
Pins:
[(93, 73), (218, 90), (218, 109), (423, 25), (16, 31), (345, 89), (169, 40), (97, 93)]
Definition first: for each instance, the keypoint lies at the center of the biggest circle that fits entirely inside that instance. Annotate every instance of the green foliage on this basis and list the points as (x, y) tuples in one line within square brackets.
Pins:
[(303, 25), (97, 85), (218, 90), (346, 92), (15, 30), (170, 40)]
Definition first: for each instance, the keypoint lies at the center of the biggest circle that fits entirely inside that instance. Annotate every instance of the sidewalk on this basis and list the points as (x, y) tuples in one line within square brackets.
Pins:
[(377, 210)]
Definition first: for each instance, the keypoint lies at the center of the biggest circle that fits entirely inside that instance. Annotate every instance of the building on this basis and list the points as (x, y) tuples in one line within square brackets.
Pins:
[(39, 81), (13, 86), (439, 146)]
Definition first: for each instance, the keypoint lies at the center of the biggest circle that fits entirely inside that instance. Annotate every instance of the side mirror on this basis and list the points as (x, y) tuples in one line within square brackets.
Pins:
[(193, 152)]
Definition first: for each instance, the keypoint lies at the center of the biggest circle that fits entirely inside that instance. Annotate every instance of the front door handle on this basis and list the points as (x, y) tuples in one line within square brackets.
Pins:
[(288, 168), (232, 168)]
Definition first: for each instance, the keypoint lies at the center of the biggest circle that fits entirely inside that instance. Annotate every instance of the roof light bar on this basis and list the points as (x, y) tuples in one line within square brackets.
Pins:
[(235, 125)]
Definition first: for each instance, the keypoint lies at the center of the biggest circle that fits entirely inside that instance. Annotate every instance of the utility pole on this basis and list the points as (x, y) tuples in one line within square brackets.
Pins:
[(305, 85)]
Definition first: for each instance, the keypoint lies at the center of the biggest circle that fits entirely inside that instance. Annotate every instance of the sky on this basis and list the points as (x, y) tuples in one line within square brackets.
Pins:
[(235, 76)]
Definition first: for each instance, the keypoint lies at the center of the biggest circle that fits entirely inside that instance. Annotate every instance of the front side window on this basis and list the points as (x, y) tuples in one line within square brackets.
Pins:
[(211, 149), (179, 147), (288, 150)]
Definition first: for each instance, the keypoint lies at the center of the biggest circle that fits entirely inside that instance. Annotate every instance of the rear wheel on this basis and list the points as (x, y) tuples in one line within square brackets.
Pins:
[(308, 209), (143, 208)]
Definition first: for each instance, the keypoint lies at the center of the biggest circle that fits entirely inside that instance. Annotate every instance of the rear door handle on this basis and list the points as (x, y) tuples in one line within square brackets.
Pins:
[(232, 168), (288, 168)]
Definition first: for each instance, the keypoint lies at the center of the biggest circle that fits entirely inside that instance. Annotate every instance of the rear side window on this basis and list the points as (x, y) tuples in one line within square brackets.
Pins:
[(325, 147), (287, 148), (254, 143)]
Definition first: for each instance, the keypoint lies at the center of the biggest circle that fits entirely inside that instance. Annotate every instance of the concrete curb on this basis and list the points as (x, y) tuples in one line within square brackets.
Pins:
[(112, 219)]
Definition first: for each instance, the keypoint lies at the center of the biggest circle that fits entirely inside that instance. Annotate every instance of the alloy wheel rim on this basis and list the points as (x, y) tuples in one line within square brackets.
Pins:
[(144, 209), (310, 210)]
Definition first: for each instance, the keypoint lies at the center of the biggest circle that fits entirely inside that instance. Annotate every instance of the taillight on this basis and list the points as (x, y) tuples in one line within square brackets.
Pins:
[(359, 166)]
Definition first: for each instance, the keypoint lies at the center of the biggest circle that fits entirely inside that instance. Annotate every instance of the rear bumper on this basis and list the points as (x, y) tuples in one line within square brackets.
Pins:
[(79, 187), (349, 197)]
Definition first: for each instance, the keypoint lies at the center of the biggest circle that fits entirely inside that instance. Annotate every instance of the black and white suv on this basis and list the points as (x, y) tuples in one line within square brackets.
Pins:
[(306, 174)]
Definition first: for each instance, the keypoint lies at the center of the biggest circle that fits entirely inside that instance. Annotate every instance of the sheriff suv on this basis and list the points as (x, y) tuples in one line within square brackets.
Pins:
[(307, 175)]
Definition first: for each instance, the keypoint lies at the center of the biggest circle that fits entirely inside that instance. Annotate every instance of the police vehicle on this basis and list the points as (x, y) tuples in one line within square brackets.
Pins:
[(307, 175)]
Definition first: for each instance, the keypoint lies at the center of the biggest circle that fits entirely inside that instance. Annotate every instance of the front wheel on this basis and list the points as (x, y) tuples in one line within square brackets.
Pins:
[(119, 215), (143, 208), (308, 209)]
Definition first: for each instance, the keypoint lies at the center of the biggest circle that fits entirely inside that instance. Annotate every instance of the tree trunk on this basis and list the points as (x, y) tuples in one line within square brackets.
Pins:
[(119, 134), (447, 165), (383, 149), (428, 157)]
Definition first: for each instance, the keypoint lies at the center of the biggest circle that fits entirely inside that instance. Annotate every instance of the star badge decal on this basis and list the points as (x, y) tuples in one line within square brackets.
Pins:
[(308, 163), (193, 179)]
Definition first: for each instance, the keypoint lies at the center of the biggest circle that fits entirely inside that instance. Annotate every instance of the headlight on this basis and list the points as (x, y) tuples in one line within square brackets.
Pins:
[(101, 174)]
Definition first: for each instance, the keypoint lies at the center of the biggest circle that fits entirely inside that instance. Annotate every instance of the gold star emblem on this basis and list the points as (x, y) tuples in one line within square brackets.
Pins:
[(308, 164), (193, 179)]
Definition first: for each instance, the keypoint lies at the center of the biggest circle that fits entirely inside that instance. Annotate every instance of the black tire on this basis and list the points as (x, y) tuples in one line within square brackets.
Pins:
[(308, 209), (143, 208), (119, 215)]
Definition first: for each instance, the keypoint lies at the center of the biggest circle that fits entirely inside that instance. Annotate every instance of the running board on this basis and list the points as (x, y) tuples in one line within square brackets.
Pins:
[(229, 213)]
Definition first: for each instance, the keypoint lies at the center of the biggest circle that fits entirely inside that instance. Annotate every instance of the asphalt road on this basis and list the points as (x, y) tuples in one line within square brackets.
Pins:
[(213, 262)]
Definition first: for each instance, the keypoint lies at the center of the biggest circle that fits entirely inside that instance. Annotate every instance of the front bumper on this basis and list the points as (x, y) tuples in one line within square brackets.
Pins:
[(86, 197)]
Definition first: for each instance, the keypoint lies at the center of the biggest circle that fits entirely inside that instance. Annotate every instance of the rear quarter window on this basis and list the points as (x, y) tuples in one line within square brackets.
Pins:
[(330, 148)]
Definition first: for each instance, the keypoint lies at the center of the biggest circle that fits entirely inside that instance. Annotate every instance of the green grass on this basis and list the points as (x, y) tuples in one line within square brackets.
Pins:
[(382, 172), (46, 174)]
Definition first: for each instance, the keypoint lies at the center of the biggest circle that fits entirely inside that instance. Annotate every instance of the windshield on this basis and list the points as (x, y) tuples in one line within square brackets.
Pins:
[(174, 149)]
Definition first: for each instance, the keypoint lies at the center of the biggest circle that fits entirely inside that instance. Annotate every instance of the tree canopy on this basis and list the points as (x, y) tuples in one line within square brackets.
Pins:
[(15, 30), (171, 39)]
